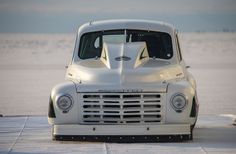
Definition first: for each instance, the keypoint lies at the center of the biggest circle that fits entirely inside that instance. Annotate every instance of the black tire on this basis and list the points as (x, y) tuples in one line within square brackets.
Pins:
[(191, 131)]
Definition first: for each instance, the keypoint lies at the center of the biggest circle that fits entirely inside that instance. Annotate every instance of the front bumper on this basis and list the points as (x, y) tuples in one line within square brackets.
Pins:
[(123, 133)]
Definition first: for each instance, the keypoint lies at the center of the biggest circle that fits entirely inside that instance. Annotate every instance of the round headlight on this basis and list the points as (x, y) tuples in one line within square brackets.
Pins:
[(65, 102), (178, 102)]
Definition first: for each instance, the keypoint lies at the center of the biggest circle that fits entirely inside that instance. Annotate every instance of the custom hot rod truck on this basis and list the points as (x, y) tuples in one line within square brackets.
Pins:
[(126, 82)]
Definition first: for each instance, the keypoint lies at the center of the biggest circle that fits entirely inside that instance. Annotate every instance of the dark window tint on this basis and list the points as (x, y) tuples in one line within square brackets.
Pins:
[(88, 48), (91, 43), (159, 44)]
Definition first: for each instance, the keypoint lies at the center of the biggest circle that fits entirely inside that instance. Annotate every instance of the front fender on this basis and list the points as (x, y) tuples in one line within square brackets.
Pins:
[(186, 88), (61, 117)]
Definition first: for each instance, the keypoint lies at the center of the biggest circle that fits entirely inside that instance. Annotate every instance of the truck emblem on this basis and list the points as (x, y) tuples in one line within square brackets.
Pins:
[(122, 58)]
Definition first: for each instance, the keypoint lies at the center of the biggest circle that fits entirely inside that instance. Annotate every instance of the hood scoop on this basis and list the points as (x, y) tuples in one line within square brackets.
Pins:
[(124, 55)]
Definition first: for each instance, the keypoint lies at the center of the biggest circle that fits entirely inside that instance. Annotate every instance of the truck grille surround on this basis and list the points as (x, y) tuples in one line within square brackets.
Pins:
[(121, 108)]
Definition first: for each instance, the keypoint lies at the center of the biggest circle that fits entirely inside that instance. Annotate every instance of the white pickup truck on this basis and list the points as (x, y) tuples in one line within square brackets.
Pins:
[(126, 82)]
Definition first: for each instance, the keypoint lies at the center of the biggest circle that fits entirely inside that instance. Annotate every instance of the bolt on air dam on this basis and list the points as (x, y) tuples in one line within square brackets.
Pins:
[(126, 82)]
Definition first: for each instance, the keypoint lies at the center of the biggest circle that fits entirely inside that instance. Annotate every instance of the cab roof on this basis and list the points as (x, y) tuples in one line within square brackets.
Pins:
[(126, 24)]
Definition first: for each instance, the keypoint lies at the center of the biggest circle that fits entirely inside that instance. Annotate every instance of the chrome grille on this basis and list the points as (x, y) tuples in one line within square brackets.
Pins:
[(121, 108)]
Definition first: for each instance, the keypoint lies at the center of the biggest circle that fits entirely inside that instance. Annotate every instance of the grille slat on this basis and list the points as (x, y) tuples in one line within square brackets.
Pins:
[(121, 108)]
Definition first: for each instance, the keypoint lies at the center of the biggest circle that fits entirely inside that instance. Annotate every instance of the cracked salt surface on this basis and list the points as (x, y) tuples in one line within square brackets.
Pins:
[(32, 134)]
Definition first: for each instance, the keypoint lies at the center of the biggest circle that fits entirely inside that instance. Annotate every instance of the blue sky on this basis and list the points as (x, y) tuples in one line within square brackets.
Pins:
[(64, 16)]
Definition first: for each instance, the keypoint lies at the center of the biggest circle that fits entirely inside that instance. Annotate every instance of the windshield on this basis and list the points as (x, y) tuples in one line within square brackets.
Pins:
[(159, 44)]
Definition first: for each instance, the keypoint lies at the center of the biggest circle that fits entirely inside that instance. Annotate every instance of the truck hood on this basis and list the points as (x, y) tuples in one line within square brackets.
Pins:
[(124, 66)]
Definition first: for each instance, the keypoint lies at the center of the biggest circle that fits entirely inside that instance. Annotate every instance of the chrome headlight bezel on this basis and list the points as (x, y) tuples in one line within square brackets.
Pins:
[(60, 103), (174, 103)]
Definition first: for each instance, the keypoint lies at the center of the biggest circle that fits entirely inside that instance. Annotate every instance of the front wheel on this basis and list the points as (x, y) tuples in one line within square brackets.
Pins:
[(191, 131)]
